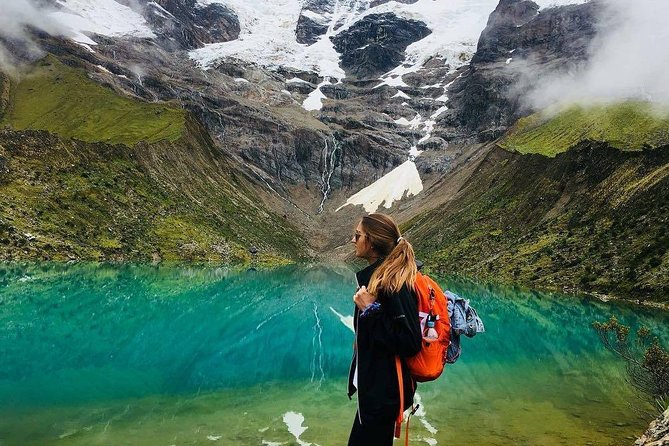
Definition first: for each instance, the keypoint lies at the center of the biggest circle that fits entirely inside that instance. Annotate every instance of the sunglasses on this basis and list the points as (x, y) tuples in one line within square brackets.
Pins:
[(357, 236)]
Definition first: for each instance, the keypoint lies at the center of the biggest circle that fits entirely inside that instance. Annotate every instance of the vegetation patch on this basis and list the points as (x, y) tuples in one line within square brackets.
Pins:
[(64, 101), (590, 220), (647, 360), (69, 200), (624, 126)]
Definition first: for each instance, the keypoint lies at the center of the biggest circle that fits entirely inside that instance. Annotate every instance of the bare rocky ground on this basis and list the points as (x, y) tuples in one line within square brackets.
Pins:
[(657, 433)]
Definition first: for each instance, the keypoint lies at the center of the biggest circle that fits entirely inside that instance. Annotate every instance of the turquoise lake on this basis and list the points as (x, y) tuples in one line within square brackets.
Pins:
[(172, 355)]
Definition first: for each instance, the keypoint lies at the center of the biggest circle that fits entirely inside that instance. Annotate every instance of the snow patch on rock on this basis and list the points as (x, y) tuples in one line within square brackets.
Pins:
[(104, 17), (402, 180)]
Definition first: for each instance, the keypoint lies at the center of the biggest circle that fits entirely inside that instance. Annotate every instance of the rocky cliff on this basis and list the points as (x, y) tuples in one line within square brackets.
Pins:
[(518, 47), (375, 44), (186, 24)]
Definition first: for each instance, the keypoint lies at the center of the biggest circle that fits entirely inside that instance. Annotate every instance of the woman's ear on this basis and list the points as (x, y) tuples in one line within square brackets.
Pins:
[(368, 245)]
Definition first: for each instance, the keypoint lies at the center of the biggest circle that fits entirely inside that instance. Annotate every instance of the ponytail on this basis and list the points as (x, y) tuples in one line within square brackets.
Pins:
[(399, 265), (396, 270)]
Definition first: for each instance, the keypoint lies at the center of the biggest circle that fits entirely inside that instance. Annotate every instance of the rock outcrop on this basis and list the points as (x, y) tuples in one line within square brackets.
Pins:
[(519, 45), (186, 24), (376, 43), (657, 433), (314, 20)]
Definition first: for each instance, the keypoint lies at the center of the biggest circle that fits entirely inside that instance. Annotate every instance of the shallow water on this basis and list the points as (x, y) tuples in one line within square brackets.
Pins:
[(114, 355)]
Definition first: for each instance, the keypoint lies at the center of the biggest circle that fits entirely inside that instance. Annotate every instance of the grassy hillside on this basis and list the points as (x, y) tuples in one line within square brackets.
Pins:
[(64, 199), (63, 100), (166, 192), (625, 126), (5, 85), (591, 219)]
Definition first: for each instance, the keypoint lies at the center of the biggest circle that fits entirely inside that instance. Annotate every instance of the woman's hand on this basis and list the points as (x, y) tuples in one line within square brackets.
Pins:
[(362, 298)]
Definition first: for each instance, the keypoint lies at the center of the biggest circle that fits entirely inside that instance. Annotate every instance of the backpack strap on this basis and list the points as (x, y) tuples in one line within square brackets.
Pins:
[(400, 381), (400, 416), (406, 431)]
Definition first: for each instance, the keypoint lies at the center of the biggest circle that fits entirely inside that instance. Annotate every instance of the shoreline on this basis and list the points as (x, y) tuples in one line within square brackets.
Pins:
[(565, 291), (272, 262), (636, 302)]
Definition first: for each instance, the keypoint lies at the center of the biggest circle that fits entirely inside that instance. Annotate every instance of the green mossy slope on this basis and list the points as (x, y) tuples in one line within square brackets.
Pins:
[(66, 199), (592, 219), (5, 85), (625, 126), (167, 193), (63, 100)]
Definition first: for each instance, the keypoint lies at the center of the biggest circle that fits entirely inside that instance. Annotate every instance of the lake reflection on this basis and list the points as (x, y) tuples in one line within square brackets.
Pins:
[(127, 354)]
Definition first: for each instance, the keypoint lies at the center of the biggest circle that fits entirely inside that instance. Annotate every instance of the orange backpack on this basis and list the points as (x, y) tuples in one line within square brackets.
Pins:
[(428, 364)]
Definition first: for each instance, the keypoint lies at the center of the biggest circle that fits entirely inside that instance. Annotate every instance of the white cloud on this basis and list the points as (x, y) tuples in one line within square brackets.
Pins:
[(17, 14), (629, 58), (16, 17)]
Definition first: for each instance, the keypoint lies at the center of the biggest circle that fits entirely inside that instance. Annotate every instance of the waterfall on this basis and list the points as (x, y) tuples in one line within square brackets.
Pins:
[(331, 145), (221, 132)]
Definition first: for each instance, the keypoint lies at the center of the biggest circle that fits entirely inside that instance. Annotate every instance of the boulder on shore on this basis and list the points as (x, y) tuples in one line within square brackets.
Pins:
[(657, 433)]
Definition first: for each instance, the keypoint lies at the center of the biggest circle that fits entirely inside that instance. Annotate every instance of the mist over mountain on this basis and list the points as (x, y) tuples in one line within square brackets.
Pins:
[(628, 59), (18, 17)]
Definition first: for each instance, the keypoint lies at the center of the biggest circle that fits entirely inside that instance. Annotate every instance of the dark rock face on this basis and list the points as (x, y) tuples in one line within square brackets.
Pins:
[(314, 20), (303, 88), (307, 76), (487, 97), (376, 44), (502, 29), (556, 33), (183, 24), (336, 91), (219, 24), (309, 30)]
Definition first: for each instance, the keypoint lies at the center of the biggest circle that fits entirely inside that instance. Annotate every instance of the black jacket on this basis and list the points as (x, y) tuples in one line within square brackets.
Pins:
[(380, 336)]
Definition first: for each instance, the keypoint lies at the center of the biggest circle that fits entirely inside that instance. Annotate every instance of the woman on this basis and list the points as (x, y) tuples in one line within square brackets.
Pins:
[(386, 325)]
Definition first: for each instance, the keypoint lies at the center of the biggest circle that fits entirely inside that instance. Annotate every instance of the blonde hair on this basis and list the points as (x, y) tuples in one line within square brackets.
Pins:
[(399, 264)]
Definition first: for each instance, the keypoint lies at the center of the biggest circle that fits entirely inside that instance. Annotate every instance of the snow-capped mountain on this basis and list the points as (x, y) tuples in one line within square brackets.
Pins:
[(328, 93), (287, 32), (299, 34), (386, 66)]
